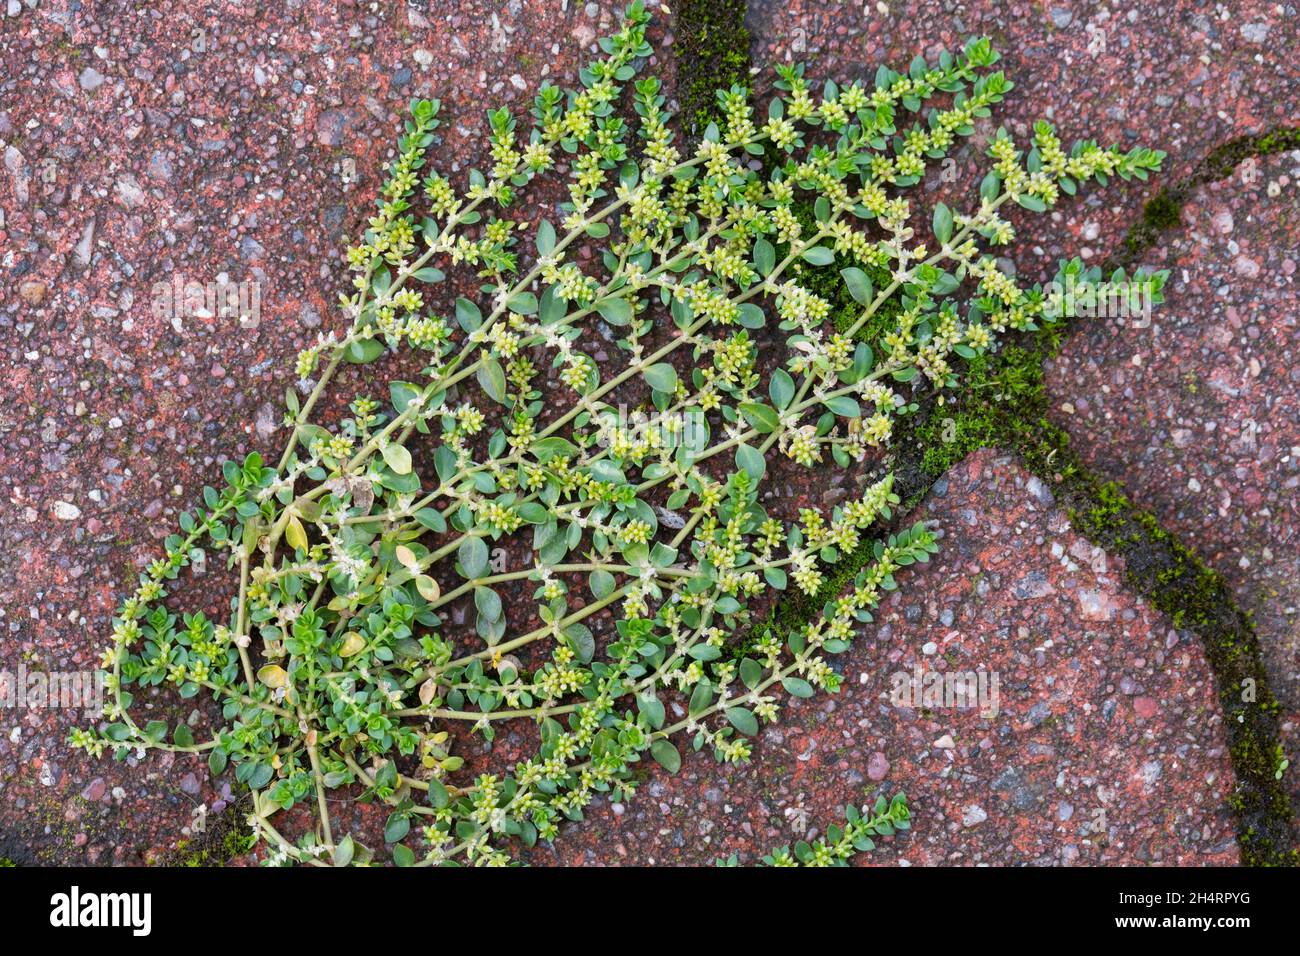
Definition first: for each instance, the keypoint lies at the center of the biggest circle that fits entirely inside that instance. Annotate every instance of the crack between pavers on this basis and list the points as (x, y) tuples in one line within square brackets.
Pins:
[(1162, 212)]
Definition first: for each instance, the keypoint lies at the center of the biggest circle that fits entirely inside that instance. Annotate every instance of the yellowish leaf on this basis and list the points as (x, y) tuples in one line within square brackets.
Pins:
[(427, 587), (508, 667), (295, 533), (406, 557), (273, 676), (427, 691)]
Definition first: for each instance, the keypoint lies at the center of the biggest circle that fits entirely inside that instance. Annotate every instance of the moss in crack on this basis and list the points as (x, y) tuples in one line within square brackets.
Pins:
[(997, 386), (1221, 163), (1164, 210), (712, 55), (226, 837), (1196, 597)]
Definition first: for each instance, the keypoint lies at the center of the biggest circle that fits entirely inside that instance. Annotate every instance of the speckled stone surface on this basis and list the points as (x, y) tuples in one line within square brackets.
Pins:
[(1107, 746), (144, 144), (1199, 415)]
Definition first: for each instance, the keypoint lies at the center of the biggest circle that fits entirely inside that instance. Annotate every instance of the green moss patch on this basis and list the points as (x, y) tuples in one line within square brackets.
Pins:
[(712, 54), (1164, 210), (226, 837)]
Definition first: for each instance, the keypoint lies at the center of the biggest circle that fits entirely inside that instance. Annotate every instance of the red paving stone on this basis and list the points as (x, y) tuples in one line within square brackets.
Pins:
[(1198, 416)]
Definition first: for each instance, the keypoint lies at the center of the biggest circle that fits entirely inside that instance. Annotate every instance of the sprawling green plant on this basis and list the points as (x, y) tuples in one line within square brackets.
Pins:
[(841, 842), (344, 662)]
